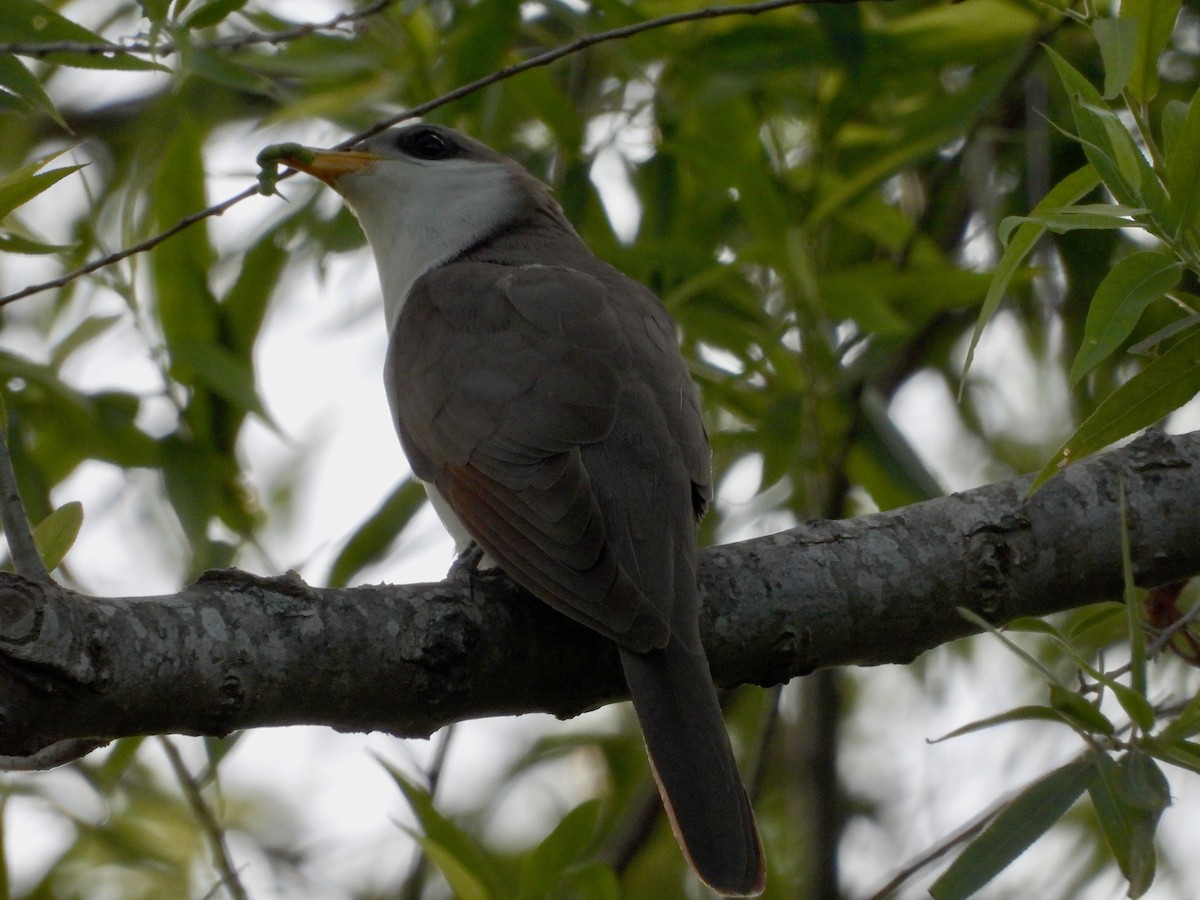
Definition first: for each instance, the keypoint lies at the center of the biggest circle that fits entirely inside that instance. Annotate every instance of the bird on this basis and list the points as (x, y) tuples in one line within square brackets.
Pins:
[(541, 396)]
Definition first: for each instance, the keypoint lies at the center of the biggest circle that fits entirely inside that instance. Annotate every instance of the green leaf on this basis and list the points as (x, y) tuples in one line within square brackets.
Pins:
[(594, 881), (1096, 122), (457, 852), (181, 265), (22, 83), (1105, 140), (1130, 286), (1117, 817), (1186, 723), (187, 310), (1155, 22), (1014, 829), (1102, 615), (849, 295), (939, 32), (117, 760), (1078, 710), (1136, 706), (1074, 218), (1183, 168), (155, 10), (1145, 785), (1076, 185), (28, 21), (245, 304), (15, 243), (1032, 713), (1034, 625), (464, 883), (15, 193), (1118, 40), (884, 461), (1177, 752), (211, 13), (223, 373), (56, 534), (546, 864), (1173, 116), (1162, 387), (1147, 793), (191, 479), (1153, 342), (873, 173), (371, 540), (83, 333)]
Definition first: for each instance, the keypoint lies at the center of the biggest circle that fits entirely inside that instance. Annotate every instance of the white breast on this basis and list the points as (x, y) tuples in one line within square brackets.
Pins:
[(418, 214)]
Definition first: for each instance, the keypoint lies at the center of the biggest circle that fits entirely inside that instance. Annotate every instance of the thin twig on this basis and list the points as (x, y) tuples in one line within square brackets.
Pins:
[(232, 42), (542, 59), (1164, 636), (57, 754), (414, 882), (583, 43), (939, 850), (25, 557), (756, 769), (636, 828), (149, 244), (981, 821), (208, 822)]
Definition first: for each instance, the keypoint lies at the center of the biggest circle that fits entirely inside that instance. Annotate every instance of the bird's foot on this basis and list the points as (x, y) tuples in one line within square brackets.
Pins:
[(466, 564)]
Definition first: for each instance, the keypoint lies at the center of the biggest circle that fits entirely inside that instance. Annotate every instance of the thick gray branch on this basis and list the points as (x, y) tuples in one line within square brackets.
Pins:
[(235, 651)]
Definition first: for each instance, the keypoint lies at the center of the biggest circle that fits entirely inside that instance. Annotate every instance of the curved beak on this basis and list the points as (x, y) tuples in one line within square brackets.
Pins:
[(330, 165)]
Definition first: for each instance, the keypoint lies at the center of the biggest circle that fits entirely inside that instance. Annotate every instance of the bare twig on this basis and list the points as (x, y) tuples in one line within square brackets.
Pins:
[(57, 754), (936, 852), (583, 43), (207, 820), (1165, 636), (414, 882), (26, 559), (542, 59), (141, 247), (166, 48), (756, 767)]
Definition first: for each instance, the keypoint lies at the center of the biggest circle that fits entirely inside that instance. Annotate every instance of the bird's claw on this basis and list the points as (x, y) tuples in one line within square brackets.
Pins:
[(466, 564)]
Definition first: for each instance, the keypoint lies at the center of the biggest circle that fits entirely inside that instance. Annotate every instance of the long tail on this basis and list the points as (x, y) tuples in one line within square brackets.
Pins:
[(693, 763)]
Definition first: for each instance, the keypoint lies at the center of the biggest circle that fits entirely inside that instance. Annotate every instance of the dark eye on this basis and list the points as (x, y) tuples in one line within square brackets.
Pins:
[(426, 143)]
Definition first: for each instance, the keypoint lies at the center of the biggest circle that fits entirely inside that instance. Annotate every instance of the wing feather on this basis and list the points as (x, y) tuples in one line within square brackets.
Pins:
[(498, 376)]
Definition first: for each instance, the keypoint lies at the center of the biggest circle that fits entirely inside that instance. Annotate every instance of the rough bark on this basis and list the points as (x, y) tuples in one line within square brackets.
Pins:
[(236, 650)]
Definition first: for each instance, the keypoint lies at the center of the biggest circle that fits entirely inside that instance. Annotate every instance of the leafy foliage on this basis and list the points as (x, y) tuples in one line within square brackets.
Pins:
[(843, 207)]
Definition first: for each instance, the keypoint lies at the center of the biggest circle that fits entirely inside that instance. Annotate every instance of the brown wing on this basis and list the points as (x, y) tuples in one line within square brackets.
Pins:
[(512, 388)]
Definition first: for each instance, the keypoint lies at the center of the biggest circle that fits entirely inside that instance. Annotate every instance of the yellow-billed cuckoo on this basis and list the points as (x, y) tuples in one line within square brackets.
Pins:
[(541, 395)]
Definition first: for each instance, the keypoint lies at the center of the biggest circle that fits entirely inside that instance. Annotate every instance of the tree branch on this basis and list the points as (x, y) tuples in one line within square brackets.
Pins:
[(236, 650), (40, 49), (207, 820)]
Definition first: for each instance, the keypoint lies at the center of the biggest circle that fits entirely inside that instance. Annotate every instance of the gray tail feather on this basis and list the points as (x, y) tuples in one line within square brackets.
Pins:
[(693, 763)]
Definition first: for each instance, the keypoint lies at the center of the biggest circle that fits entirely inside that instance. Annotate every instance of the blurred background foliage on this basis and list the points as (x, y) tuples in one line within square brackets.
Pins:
[(816, 194)]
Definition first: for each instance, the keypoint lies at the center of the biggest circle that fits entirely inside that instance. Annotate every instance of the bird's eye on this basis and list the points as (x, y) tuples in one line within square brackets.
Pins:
[(425, 143)]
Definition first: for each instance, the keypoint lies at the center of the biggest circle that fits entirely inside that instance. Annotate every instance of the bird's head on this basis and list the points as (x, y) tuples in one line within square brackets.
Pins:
[(424, 194)]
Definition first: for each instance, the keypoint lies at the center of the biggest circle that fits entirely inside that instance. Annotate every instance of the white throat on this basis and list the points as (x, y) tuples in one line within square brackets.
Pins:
[(416, 215)]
